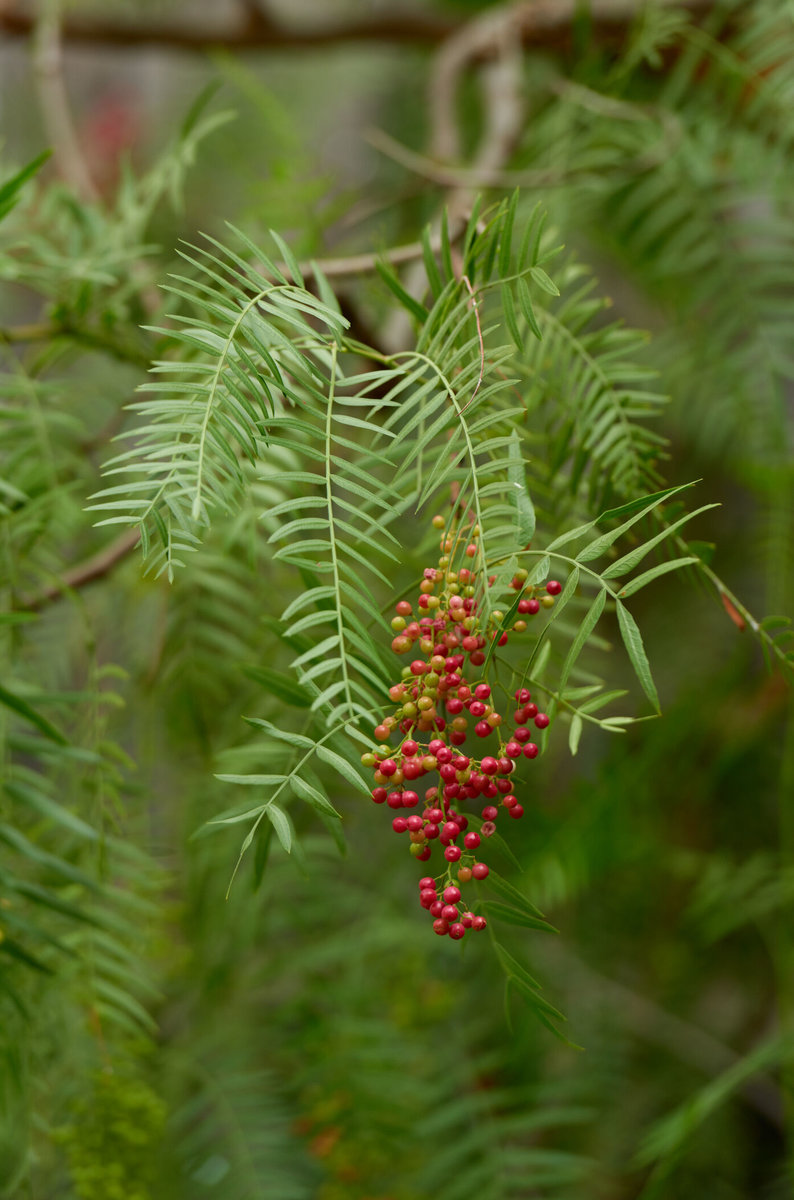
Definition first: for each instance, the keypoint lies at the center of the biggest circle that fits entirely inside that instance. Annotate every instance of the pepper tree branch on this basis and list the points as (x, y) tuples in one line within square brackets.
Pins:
[(549, 26)]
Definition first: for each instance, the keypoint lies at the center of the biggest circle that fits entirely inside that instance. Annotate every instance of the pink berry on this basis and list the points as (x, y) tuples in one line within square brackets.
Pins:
[(452, 853), (541, 720), (490, 812), (451, 894), (379, 794), (435, 908), (414, 822), (399, 824), (471, 840), (426, 882), (531, 750), (489, 765), (449, 913), (427, 897), (480, 870), (457, 930)]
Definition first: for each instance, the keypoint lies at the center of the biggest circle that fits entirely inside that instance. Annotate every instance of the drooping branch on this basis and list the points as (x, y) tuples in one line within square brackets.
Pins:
[(548, 25)]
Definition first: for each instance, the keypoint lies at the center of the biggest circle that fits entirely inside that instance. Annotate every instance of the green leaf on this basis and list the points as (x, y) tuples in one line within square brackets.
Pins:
[(517, 492), (312, 796), (597, 547), (575, 733), (517, 898), (405, 298), (24, 710), (543, 281), (9, 191), (632, 640), (280, 822), (344, 768), (640, 581), (630, 560), (512, 916), (281, 686), (589, 622), (282, 735)]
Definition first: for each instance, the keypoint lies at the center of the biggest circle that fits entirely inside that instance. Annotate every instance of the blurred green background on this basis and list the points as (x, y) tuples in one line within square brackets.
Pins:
[(307, 1036)]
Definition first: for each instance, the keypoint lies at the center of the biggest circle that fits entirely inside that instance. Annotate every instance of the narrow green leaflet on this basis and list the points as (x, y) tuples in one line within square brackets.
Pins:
[(575, 733), (629, 561), (587, 626), (632, 640), (282, 735), (9, 191), (512, 916), (24, 710), (517, 492), (640, 581), (281, 686), (280, 822), (602, 543), (508, 892), (314, 797), (343, 767)]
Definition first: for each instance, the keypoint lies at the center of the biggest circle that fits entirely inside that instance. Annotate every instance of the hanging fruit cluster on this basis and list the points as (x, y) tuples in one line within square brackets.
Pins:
[(439, 702)]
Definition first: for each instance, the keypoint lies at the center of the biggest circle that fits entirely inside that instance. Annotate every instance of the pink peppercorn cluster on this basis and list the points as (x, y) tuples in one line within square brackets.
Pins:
[(437, 706)]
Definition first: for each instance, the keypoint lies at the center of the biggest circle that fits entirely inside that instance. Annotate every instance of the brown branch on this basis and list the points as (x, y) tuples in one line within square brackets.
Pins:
[(93, 568), (549, 27), (54, 102)]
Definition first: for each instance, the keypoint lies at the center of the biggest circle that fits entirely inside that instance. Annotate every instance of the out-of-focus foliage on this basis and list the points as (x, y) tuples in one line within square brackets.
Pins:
[(305, 1035)]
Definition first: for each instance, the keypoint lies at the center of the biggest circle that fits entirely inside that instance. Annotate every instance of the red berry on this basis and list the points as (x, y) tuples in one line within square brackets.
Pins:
[(553, 587), (399, 824), (490, 813), (471, 840), (480, 870), (414, 822), (431, 831), (531, 750), (522, 734), (477, 658), (449, 913), (451, 894), (388, 766), (395, 799), (466, 919), (423, 855), (530, 711), (418, 667), (457, 930), (517, 811), (427, 897), (513, 749), (477, 708), (479, 923), (452, 853), (450, 831), (440, 927), (410, 799), (426, 882), (410, 748), (541, 720), (533, 606), (435, 908), (379, 794), (482, 691)]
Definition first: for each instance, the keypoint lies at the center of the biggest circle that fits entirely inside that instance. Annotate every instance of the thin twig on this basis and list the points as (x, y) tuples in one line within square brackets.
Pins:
[(94, 568)]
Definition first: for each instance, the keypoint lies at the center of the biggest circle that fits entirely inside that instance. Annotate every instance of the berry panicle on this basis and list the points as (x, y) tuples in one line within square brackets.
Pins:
[(428, 779)]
